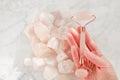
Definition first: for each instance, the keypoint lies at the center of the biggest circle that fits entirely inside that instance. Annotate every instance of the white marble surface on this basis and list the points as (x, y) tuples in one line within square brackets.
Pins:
[(16, 14)]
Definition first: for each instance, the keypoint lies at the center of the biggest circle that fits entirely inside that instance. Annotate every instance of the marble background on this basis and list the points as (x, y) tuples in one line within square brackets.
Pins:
[(15, 15)]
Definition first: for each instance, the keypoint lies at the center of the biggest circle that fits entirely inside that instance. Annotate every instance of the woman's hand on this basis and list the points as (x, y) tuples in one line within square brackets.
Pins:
[(103, 69)]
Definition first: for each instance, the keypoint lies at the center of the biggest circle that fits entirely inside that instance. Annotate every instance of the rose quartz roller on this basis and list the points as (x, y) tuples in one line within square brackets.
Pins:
[(82, 45), (82, 19)]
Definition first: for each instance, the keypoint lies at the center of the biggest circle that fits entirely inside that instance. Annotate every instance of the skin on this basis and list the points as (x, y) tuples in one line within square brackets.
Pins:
[(101, 68)]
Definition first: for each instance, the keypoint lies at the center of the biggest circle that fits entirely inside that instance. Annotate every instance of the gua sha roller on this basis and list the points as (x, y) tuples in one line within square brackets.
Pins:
[(82, 19)]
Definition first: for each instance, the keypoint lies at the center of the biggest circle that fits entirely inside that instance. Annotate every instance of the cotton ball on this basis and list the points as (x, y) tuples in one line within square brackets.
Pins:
[(46, 18), (41, 50), (41, 32), (28, 62), (38, 63), (66, 66), (81, 73), (50, 73)]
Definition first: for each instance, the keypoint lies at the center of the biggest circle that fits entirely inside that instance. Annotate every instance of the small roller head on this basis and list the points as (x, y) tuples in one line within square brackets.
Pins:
[(81, 73)]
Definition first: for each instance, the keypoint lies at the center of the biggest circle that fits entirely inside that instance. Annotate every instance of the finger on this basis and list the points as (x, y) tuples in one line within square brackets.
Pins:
[(75, 56), (75, 34), (99, 61), (71, 40), (91, 44)]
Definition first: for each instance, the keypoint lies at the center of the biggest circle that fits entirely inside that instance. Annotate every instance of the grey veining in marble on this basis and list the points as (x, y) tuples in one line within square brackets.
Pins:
[(15, 15)]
